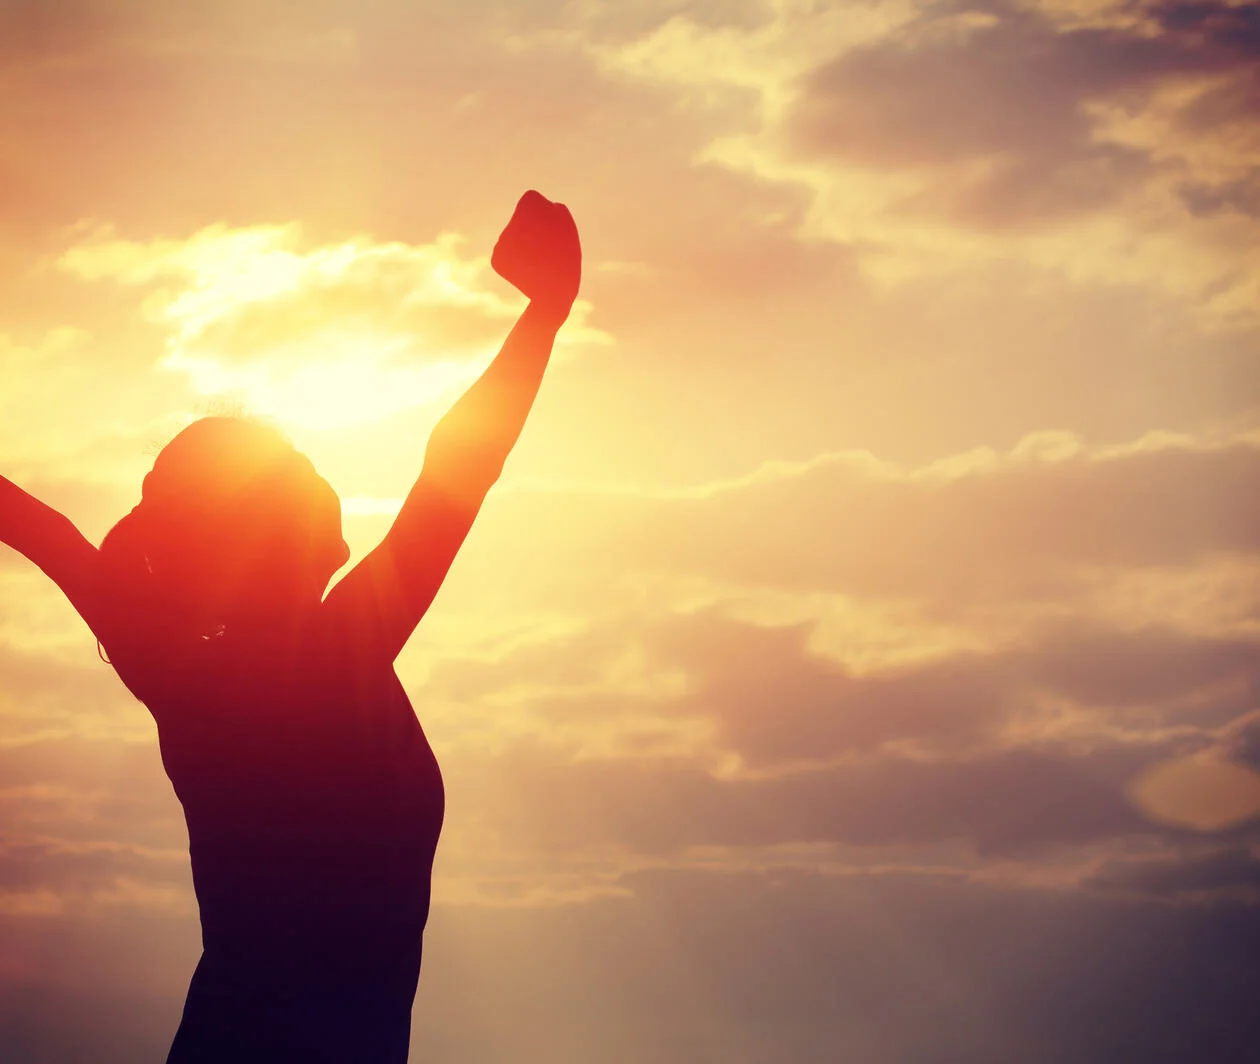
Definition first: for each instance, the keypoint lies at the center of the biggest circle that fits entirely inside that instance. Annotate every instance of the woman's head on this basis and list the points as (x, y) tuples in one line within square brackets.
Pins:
[(232, 521)]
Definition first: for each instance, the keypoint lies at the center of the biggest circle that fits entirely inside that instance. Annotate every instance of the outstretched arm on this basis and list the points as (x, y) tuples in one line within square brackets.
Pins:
[(50, 539), (379, 603)]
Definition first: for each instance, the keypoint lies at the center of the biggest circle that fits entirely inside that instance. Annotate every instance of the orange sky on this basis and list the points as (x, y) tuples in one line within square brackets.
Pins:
[(858, 659)]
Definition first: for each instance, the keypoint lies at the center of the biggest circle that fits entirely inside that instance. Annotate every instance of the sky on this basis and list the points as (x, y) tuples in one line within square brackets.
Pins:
[(859, 658)]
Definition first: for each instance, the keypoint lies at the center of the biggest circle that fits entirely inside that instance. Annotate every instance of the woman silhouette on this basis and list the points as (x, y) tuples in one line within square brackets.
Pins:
[(312, 798)]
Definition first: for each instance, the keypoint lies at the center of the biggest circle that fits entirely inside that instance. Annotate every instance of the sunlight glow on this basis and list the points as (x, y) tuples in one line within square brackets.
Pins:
[(329, 390), (322, 338)]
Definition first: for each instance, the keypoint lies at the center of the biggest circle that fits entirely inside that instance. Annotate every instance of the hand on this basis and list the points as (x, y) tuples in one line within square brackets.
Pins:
[(539, 253)]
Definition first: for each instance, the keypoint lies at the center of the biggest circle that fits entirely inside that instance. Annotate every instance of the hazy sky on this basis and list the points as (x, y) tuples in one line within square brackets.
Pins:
[(860, 658)]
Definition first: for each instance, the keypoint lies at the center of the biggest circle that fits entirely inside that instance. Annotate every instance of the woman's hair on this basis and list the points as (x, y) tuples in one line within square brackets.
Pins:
[(230, 512)]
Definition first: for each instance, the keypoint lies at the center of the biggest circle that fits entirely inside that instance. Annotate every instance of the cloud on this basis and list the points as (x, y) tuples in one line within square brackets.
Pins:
[(327, 337), (1017, 803), (91, 790), (48, 876), (1039, 523), (55, 689), (1153, 673), (1241, 741), (1225, 872), (932, 140), (622, 735), (89, 823), (1205, 792), (1015, 94), (706, 685)]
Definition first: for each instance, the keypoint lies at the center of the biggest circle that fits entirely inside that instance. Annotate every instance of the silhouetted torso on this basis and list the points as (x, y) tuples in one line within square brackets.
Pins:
[(313, 804)]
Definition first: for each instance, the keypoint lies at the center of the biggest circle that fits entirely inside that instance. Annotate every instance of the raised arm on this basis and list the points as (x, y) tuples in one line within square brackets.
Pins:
[(379, 603), (50, 539)]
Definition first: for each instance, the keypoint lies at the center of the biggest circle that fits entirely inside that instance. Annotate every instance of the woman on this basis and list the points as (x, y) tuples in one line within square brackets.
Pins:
[(312, 798)]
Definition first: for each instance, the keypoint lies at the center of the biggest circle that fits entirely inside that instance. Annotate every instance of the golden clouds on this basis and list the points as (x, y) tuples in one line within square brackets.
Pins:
[(1116, 153), (327, 337), (845, 625), (762, 60), (1045, 514), (100, 839)]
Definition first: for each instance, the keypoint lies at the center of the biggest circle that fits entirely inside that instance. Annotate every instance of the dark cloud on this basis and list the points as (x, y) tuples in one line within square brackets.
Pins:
[(1233, 871), (1241, 741), (775, 701), (1018, 803), (69, 870), (1232, 28), (830, 743), (82, 793), (1012, 94), (1202, 199), (1161, 674)]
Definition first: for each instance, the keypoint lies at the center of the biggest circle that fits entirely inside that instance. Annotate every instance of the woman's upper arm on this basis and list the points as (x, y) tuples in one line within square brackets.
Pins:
[(378, 604), (51, 540)]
